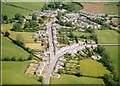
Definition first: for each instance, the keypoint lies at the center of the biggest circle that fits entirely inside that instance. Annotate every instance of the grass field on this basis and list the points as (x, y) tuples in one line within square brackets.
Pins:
[(10, 11), (27, 36), (9, 49), (91, 67), (35, 46), (36, 6), (107, 36), (110, 8), (113, 52), (13, 73), (71, 79)]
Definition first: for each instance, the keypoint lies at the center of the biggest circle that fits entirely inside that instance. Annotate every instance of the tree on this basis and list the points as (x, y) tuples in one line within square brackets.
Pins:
[(27, 25), (40, 79), (41, 21), (20, 40), (13, 59), (30, 57), (59, 15), (76, 39), (17, 27), (5, 17), (100, 49), (18, 16), (34, 17), (33, 23), (7, 34), (71, 35)]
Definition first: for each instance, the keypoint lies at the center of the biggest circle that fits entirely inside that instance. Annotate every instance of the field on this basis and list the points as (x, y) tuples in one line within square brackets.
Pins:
[(36, 6), (9, 49), (107, 36), (13, 73), (10, 11), (110, 8), (27, 36), (113, 52), (35, 46), (91, 67), (71, 79)]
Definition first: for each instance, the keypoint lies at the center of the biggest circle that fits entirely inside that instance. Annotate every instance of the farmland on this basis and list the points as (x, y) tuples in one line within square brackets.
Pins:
[(9, 49), (107, 36), (13, 73), (110, 8), (71, 79), (113, 55), (92, 68), (27, 36)]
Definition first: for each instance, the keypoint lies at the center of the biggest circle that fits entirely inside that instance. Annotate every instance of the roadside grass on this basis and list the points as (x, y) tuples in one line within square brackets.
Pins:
[(36, 6), (9, 49), (71, 79), (13, 73), (91, 67), (35, 46), (107, 36), (10, 11), (27, 36), (113, 52)]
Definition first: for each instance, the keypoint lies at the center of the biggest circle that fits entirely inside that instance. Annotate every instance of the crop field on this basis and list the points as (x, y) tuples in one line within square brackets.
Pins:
[(107, 36), (9, 49), (13, 73), (113, 52), (71, 79), (110, 8), (91, 67), (27, 36)]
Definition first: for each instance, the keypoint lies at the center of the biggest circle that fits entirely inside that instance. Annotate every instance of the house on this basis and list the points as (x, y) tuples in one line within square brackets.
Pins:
[(28, 17)]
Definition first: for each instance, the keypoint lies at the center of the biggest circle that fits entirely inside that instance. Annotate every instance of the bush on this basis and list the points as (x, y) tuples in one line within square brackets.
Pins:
[(13, 59), (30, 57), (21, 59), (6, 59), (7, 34), (40, 79)]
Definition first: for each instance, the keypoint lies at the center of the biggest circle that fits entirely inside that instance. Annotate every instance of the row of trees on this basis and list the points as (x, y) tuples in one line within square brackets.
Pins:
[(30, 57), (111, 79)]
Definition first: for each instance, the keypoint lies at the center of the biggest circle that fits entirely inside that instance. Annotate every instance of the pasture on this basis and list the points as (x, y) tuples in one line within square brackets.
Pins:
[(91, 67), (71, 79), (13, 73), (9, 49), (107, 36)]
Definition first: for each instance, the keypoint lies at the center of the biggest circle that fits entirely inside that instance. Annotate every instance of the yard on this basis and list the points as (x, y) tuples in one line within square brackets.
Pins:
[(91, 67), (107, 36), (71, 79), (13, 73)]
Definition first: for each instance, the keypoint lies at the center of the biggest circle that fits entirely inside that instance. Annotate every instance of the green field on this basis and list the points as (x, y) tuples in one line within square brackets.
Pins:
[(113, 52), (36, 6), (77, 33), (71, 79), (9, 49), (27, 36), (91, 67), (13, 73), (107, 36), (10, 11)]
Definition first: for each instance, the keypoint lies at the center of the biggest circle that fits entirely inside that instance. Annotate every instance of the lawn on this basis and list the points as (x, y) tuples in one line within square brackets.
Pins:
[(107, 36), (77, 33), (9, 49), (10, 11), (91, 67), (113, 52), (13, 73), (71, 79), (27, 36)]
